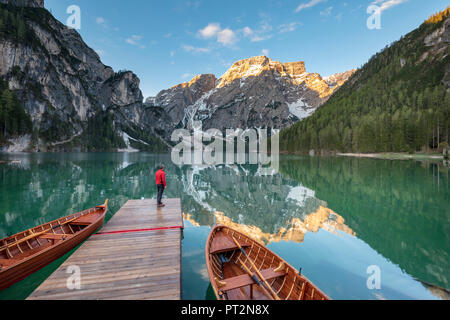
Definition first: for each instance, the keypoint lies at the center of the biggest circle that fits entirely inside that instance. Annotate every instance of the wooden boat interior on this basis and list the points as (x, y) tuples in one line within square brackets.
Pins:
[(229, 266)]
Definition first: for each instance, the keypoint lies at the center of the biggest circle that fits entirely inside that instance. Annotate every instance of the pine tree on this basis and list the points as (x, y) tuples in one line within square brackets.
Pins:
[(7, 102), (21, 29)]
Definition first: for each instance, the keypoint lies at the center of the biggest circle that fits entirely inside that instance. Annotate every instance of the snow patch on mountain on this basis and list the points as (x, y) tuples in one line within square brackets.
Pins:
[(301, 109)]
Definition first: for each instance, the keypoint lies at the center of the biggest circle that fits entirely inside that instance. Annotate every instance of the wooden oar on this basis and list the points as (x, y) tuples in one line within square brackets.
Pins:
[(252, 275), (273, 293)]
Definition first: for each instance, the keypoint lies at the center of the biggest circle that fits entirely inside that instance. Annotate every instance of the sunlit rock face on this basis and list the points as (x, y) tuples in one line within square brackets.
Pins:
[(254, 92), (256, 65)]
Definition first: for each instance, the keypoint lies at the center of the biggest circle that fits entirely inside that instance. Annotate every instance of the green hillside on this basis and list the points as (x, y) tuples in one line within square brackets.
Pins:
[(398, 102)]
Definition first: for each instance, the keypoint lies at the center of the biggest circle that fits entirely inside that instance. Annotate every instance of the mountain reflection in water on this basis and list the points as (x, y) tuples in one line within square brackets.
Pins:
[(332, 216)]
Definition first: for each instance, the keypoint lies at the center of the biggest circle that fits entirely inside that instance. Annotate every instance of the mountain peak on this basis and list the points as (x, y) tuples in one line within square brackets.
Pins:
[(201, 79), (254, 66)]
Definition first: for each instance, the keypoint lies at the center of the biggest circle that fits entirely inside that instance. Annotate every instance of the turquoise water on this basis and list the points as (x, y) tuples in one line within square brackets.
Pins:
[(332, 217)]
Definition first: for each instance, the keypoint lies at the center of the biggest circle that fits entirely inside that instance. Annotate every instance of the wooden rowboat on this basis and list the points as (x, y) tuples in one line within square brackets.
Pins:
[(26, 252), (242, 269)]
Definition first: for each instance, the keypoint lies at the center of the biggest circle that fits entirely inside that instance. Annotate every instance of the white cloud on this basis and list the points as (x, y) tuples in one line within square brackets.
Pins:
[(101, 21), (172, 53), (226, 37), (265, 52), (263, 33), (288, 27), (309, 4), (247, 31), (386, 4), (134, 40), (211, 30), (192, 49), (326, 12), (258, 38), (193, 4)]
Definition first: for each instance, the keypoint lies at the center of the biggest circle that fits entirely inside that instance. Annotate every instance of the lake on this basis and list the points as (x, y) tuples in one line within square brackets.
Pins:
[(338, 219)]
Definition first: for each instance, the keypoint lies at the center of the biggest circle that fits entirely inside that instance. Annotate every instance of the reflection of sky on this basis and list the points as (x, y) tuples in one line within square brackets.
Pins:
[(194, 272), (338, 265)]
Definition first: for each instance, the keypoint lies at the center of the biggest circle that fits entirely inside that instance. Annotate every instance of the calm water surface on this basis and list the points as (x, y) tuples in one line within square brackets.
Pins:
[(332, 217)]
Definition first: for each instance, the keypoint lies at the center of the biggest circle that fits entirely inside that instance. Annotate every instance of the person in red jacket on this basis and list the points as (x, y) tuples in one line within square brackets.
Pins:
[(161, 184)]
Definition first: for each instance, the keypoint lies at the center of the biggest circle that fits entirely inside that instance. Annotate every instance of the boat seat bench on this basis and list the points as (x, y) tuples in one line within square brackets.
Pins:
[(245, 280), (223, 243), (84, 221), (53, 236)]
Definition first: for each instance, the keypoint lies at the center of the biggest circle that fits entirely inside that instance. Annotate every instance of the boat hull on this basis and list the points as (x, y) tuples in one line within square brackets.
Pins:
[(31, 264)]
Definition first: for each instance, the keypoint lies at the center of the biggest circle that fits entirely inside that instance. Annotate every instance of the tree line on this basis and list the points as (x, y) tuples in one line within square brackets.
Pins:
[(398, 102), (14, 121)]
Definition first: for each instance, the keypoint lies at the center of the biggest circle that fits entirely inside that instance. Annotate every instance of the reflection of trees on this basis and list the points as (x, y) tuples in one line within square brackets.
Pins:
[(399, 208), (55, 185)]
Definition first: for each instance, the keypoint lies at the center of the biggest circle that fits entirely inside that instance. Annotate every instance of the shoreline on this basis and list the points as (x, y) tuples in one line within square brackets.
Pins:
[(394, 156)]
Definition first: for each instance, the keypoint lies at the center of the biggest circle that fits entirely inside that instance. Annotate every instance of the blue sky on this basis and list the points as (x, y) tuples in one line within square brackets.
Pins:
[(169, 42)]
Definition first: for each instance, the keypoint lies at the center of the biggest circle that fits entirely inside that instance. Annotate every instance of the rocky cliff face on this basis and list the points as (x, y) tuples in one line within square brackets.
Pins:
[(77, 103), (437, 44), (62, 82), (255, 92), (176, 99), (25, 3)]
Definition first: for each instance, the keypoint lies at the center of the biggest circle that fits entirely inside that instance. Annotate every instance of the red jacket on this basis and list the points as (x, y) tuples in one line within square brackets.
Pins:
[(161, 178)]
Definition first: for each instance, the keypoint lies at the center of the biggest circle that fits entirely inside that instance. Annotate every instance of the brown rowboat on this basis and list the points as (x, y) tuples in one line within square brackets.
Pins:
[(242, 269), (26, 252)]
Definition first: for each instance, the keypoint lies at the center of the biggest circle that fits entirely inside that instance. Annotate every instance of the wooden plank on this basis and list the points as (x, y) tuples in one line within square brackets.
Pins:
[(245, 280), (126, 265)]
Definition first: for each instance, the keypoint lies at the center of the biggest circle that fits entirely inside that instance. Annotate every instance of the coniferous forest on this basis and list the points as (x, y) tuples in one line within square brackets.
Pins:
[(398, 102), (14, 120)]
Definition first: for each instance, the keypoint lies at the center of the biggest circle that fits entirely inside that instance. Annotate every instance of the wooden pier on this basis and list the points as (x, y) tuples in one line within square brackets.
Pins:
[(135, 256)]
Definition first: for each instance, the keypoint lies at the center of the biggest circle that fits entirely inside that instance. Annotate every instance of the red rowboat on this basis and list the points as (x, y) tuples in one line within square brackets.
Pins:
[(26, 252), (243, 269)]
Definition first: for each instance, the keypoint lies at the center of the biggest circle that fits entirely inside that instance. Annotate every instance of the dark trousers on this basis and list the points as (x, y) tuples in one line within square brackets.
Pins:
[(160, 192)]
